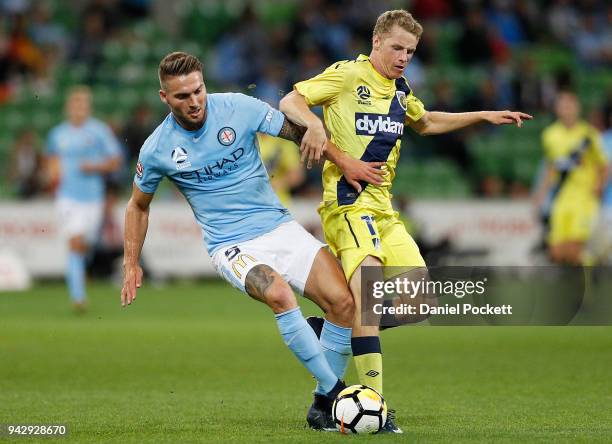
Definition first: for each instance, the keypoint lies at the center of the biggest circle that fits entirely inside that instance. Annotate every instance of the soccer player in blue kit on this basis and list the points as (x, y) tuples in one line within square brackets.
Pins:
[(207, 147), (80, 151)]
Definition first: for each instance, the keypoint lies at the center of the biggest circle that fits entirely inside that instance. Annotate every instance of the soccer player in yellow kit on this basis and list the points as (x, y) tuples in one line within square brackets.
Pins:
[(366, 103), (282, 163), (576, 173)]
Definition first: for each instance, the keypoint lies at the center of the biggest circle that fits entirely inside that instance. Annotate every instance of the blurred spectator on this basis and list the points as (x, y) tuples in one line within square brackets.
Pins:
[(428, 45), (473, 44), (332, 34), (503, 17), (307, 19), (563, 20), (265, 56), (360, 16), (590, 43), (6, 67), (135, 9), (424, 10), (528, 15), (486, 97), (136, 130), (11, 8), (23, 53), (502, 74), (25, 165), (530, 88), (415, 72), (109, 246), (89, 42), (449, 145), (273, 85), (241, 55), (607, 107), (309, 64), (46, 33), (108, 12), (123, 174)]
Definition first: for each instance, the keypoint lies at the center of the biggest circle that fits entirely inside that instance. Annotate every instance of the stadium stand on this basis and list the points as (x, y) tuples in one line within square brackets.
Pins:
[(523, 63)]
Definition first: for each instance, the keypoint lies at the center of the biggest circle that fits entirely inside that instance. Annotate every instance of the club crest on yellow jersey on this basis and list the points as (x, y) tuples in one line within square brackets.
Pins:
[(401, 98)]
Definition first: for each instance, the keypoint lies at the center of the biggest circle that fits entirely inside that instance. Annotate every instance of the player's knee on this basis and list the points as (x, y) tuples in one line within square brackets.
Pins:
[(343, 308), (280, 298)]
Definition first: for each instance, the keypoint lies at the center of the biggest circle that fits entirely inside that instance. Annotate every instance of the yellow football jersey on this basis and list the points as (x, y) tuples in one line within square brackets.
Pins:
[(365, 114), (279, 156), (577, 155)]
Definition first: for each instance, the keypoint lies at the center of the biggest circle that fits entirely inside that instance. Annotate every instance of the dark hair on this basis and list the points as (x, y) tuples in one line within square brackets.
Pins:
[(178, 64)]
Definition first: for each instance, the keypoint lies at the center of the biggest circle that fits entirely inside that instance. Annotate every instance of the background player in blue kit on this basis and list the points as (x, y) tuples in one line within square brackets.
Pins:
[(81, 151), (207, 147)]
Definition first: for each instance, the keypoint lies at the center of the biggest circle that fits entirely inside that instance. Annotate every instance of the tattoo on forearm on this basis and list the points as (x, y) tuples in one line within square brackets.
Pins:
[(259, 280), (292, 131)]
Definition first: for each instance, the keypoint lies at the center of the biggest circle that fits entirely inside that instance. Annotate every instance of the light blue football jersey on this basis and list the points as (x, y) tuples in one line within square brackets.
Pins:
[(218, 169), (93, 141)]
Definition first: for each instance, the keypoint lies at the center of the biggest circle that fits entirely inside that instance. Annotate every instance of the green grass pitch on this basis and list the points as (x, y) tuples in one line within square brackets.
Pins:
[(200, 362)]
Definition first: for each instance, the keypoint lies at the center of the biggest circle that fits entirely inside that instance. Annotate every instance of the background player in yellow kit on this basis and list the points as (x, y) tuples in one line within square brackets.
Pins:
[(576, 171), (282, 163), (366, 103)]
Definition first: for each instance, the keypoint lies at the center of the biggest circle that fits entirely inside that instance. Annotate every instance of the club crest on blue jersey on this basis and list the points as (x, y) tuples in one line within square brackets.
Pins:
[(401, 98), (226, 136), (179, 156)]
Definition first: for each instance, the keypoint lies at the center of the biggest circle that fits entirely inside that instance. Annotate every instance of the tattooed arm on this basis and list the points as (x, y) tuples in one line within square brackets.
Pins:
[(292, 131), (354, 170)]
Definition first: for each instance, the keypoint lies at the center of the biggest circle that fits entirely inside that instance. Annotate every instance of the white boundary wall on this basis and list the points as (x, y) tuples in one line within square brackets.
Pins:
[(174, 245)]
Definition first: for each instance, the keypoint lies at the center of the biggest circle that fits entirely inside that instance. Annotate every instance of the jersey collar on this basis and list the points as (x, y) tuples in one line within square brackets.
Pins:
[(376, 73)]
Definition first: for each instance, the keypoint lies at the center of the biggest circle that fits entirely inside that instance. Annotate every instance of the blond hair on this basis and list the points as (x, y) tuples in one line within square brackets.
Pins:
[(399, 17)]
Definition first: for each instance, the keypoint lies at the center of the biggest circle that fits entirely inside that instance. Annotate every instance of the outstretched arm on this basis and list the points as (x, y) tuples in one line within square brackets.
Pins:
[(436, 122), (136, 224), (354, 170)]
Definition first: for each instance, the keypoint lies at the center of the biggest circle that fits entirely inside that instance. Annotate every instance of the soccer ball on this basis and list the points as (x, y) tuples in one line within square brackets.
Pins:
[(359, 409)]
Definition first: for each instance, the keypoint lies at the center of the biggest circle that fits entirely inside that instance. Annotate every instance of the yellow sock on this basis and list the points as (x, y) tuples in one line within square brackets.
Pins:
[(368, 361), (369, 370)]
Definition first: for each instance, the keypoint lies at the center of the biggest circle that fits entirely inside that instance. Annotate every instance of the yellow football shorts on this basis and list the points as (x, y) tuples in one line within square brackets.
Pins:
[(353, 233), (573, 219)]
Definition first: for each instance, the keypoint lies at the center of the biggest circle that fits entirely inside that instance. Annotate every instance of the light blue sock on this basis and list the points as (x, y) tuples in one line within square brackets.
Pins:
[(75, 276), (304, 344), (336, 343)]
